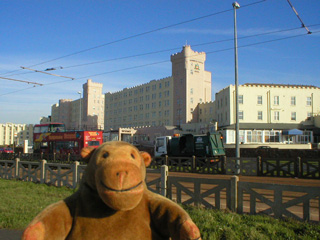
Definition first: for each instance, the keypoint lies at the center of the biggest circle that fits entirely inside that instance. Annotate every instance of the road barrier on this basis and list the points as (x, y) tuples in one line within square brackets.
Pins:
[(278, 200)]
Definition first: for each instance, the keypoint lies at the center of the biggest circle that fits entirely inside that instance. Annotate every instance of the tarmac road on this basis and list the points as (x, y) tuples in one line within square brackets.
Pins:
[(6, 234)]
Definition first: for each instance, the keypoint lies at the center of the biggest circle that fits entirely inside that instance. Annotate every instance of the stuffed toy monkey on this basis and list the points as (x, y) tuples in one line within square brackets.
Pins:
[(113, 202)]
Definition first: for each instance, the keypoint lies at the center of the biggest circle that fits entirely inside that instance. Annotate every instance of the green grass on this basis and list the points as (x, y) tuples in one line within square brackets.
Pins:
[(21, 201), (215, 224)]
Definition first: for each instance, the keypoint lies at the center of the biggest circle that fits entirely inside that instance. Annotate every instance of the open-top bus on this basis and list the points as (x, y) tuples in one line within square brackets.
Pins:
[(65, 142), (49, 127)]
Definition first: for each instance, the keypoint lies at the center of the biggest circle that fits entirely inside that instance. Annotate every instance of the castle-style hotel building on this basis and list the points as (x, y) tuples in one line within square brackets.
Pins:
[(168, 101)]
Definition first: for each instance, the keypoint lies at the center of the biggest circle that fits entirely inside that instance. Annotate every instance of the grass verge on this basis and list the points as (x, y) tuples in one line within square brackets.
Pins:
[(21, 201)]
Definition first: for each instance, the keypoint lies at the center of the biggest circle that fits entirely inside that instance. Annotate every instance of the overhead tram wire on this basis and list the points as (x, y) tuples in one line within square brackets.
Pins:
[(17, 80), (154, 63), (302, 23), (175, 48), (138, 35), (211, 52)]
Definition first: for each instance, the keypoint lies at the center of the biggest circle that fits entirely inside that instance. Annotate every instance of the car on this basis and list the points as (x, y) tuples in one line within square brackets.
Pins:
[(263, 147), (6, 150)]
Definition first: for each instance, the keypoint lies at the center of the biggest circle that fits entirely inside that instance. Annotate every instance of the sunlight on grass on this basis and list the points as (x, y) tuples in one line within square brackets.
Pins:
[(22, 201)]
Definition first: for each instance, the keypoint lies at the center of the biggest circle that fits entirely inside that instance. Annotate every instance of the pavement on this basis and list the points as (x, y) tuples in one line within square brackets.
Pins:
[(6, 234)]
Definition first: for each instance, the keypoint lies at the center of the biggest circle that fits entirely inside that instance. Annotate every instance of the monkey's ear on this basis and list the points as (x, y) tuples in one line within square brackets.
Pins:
[(146, 158), (86, 153)]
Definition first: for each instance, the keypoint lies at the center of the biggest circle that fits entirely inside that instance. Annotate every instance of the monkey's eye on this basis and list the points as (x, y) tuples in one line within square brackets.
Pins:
[(105, 155), (132, 155)]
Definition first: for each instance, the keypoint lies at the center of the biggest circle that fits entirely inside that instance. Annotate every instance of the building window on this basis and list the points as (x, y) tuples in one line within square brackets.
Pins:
[(259, 100), (293, 101), (240, 99), (191, 100), (309, 101), (293, 116), (191, 91), (259, 115), (276, 100), (240, 115), (276, 116)]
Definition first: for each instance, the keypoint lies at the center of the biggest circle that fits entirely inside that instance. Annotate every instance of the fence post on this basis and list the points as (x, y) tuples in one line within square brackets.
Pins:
[(166, 160), (164, 179), (42, 171), (223, 164), (16, 173), (259, 166), (75, 174), (193, 164), (300, 174), (234, 193)]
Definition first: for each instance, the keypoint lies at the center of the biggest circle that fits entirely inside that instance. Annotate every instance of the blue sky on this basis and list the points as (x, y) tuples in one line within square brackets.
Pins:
[(79, 32)]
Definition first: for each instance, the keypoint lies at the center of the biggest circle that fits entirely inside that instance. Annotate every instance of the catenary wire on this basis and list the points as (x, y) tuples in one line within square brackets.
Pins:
[(125, 69), (138, 35), (176, 48)]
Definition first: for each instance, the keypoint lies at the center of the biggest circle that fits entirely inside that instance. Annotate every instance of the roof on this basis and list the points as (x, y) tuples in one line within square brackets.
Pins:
[(279, 85), (267, 126)]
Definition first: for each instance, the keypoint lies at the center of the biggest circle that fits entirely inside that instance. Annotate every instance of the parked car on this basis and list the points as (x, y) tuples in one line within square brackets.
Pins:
[(6, 150), (263, 147)]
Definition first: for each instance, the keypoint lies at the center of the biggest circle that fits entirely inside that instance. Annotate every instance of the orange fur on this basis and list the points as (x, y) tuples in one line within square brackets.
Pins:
[(113, 202)]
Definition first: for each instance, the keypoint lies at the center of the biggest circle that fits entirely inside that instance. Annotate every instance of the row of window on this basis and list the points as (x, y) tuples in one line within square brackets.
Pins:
[(140, 116), (276, 115), (268, 136), (146, 106), (140, 99), (141, 123), (140, 90), (276, 100)]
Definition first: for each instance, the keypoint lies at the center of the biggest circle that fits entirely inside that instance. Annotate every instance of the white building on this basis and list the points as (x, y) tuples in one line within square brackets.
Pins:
[(87, 111), (11, 133), (267, 112), (168, 101)]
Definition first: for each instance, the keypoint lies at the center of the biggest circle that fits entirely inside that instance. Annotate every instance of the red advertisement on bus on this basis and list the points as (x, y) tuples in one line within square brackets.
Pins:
[(65, 142)]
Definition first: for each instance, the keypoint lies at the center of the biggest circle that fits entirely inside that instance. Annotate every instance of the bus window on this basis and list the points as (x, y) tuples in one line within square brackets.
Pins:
[(44, 129), (57, 128), (36, 130), (93, 143)]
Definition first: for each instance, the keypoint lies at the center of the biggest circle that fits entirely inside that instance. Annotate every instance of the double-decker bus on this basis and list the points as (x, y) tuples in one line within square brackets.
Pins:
[(65, 142), (49, 127)]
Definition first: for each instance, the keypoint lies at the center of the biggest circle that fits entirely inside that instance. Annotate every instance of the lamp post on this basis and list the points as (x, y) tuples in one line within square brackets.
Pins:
[(235, 7), (80, 111)]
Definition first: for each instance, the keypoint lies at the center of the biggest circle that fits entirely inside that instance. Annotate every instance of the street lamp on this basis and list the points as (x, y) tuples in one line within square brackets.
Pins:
[(80, 111), (235, 7)]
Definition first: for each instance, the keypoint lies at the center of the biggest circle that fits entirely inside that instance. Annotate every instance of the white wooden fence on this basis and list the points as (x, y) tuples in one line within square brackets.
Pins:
[(277, 200)]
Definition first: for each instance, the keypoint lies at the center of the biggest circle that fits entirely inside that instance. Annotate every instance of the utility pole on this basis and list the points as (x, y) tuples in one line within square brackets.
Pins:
[(235, 7)]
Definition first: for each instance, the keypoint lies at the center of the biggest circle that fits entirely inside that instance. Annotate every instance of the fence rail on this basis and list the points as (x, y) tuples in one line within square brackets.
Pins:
[(299, 202), (271, 167), (297, 167)]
